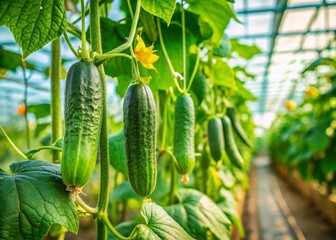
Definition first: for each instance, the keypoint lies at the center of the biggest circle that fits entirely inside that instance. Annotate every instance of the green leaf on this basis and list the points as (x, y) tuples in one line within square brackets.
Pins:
[(224, 48), (124, 228), (33, 23), (117, 152), (244, 92), (40, 127), (197, 214), (172, 37), (33, 198), (328, 163), (224, 75), (159, 225), (243, 50), (320, 61), (215, 15), (40, 110), (162, 8), (317, 138), (123, 191), (123, 83), (11, 61)]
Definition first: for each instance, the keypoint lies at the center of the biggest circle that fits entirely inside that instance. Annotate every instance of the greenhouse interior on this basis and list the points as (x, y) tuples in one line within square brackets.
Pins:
[(179, 119)]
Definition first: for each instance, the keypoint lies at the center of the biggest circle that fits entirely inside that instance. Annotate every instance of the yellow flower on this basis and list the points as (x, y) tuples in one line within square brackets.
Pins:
[(312, 92), (290, 105), (145, 55)]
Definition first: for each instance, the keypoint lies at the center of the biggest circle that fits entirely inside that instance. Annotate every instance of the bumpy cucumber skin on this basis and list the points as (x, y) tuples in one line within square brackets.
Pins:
[(231, 113), (230, 144), (140, 129), (200, 87), (216, 138), (184, 151), (82, 116)]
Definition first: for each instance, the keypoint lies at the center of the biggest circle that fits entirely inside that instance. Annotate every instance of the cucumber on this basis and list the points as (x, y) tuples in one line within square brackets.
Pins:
[(230, 144), (231, 113), (82, 116), (139, 114), (200, 87), (184, 151), (216, 138)]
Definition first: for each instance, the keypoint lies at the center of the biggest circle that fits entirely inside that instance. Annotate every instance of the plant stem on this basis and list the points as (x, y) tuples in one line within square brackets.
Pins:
[(35, 150), (70, 45), (130, 8), (55, 79), (103, 145), (25, 100), (74, 33), (194, 71), (86, 207), (100, 59), (184, 48), (12, 144), (165, 53), (104, 219), (172, 185), (84, 53), (131, 36)]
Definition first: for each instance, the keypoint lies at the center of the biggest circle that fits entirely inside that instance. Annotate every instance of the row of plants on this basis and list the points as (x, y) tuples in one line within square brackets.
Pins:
[(303, 138), (173, 165)]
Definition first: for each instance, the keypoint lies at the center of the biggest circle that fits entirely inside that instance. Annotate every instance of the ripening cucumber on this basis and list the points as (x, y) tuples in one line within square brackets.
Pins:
[(216, 138), (184, 151), (139, 114), (231, 113), (82, 116), (230, 144)]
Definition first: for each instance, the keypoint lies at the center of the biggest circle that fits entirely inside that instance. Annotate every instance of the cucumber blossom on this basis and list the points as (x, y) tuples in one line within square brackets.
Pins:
[(216, 138), (231, 113), (82, 116), (230, 144), (139, 114), (184, 151)]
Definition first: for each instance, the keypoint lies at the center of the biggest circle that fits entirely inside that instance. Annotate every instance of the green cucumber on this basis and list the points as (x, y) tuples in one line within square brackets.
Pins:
[(139, 114), (231, 113), (230, 144), (82, 116), (184, 151), (216, 138)]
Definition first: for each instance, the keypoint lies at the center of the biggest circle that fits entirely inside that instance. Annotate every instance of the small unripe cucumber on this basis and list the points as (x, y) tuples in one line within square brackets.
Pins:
[(216, 138), (140, 138), (184, 151), (82, 116), (231, 113), (230, 144)]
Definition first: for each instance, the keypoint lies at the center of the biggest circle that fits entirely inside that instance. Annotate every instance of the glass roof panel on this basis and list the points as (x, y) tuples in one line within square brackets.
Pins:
[(296, 2), (287, 43), (261, 3), (317, 41), (259, 23), (290, 21)]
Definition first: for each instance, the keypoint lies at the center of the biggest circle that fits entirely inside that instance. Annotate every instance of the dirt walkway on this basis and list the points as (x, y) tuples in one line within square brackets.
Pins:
[(274, 210)]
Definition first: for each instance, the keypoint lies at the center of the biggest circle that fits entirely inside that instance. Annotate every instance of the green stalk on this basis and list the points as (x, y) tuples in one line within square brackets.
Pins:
[(85, 54), (103, 146), (12, 144), (165, 53), (25, 100), (70, 45), (55, 78), (194, 71), (184, 49)]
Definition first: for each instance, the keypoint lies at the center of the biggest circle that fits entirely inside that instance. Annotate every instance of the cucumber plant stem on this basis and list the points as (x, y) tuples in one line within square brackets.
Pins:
[(25, 100), (12, 144), (70, 45), (164, 50), (103, 145), (184, 48), (84, 53), (55, 79)]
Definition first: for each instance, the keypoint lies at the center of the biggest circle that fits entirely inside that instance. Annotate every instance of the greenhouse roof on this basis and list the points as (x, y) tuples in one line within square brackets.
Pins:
[(291, 34)]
